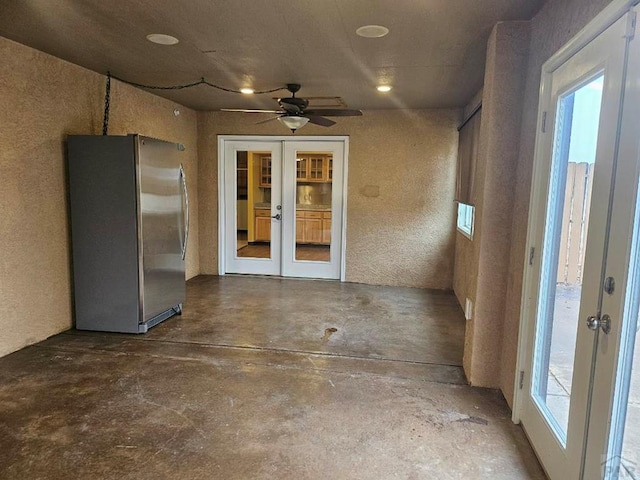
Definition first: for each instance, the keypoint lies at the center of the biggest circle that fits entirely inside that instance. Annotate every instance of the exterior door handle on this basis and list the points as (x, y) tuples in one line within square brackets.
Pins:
[(595, 322), (277, 216)]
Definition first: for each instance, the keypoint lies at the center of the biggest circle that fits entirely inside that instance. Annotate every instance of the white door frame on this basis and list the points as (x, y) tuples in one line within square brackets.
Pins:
[(222, 139), (614, 11)]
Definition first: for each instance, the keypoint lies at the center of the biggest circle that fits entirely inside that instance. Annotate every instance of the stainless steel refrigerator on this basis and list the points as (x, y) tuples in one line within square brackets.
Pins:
[(129, 227)]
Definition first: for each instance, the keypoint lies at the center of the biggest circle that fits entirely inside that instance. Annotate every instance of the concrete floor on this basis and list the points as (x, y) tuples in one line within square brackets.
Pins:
[(252, 383)]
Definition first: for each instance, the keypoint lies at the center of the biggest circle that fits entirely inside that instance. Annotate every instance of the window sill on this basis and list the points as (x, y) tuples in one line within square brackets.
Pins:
[(465, 234)]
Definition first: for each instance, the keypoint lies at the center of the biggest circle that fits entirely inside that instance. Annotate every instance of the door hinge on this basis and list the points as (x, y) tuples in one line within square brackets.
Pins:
[(631, 25), (532, 254), (544, 122), (521, 380)]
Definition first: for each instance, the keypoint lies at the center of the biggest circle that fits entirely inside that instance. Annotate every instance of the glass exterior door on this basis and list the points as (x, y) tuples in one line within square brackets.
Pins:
[(283, 213), (253, 208), (565, 248), (613, 444), (569, 227), (619, 351), (312, 229)]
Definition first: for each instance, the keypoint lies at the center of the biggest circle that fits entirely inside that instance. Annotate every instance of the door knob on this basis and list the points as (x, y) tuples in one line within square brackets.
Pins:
[(595, 322), (277, 216)]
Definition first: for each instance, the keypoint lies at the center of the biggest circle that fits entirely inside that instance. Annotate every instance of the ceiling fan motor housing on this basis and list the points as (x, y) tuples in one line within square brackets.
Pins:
[(294, 104)]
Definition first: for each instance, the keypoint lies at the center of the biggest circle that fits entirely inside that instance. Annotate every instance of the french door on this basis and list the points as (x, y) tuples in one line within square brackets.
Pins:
[(580, 404), (283, 207)]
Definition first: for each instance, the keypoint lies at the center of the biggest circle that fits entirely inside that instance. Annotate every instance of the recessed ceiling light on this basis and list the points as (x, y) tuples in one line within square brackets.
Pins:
[(372, 31), (162, 39), (247, 91), (383, 88)]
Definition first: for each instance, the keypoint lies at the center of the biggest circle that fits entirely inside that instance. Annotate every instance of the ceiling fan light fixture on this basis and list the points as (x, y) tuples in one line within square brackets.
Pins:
[(247, 91), (383, 88), (162, 39), (293, 122), (372, 31)]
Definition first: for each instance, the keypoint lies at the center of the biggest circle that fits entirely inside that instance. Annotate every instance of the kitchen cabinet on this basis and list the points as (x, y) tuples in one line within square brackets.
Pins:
[(262, 231), (326, 228), (302, 167), (313, 226), (314, 168), (265, 170), (300, 222)]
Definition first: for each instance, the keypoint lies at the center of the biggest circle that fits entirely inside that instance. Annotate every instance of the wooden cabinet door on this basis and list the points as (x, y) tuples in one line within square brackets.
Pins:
[(263, 229), (265, 170), (328, 164), (326, 228), (300, 230), (316, 169), (302, 168), (313, 230)]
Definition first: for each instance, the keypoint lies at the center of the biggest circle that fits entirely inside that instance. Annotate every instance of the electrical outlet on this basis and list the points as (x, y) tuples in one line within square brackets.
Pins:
[(468, 309)]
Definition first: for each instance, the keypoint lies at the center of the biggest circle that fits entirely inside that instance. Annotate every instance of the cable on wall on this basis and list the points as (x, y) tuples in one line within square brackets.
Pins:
[(107, 100), (202, 81)]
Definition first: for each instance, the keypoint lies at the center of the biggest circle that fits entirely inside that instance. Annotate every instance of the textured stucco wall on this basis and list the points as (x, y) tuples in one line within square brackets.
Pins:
[(556, 23), (42, 100), (504, 81), (405, 236)]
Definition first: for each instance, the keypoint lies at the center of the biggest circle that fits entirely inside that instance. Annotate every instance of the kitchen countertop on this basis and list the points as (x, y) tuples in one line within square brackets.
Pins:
[(320, 207)]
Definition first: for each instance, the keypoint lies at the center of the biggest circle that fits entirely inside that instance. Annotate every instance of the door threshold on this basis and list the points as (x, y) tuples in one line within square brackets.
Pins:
[(279, 277)]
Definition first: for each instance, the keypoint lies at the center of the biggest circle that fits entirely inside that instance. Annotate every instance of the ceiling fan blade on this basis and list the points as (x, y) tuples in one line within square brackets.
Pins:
[(248, 111), (323, 122), (267, 120), (336, 112)]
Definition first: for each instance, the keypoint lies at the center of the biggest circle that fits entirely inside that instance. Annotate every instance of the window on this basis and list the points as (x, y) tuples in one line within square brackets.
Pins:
[(465, 219)]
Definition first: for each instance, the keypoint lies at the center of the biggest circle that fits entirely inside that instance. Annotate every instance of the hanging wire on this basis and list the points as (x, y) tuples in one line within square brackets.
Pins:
[(202, 81), (107, 100)]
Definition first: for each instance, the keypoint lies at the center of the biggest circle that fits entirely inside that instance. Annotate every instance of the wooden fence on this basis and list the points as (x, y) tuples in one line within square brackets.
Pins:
[(575, 222)]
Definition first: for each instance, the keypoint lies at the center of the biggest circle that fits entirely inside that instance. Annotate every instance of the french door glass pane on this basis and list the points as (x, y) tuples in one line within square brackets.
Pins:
[(253, 204), (566, 228), (313, 206), (623, 458)]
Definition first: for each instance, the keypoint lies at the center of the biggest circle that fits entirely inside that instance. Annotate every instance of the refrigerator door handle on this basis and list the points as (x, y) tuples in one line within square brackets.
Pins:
[(186, 211)]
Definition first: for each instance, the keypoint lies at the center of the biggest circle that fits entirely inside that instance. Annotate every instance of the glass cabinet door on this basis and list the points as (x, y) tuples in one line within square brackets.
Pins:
[(302, 165), (265, 170), (316, 168)]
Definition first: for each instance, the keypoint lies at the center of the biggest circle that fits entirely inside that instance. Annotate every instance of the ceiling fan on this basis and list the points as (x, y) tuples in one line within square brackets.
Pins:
[(294, 114)]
